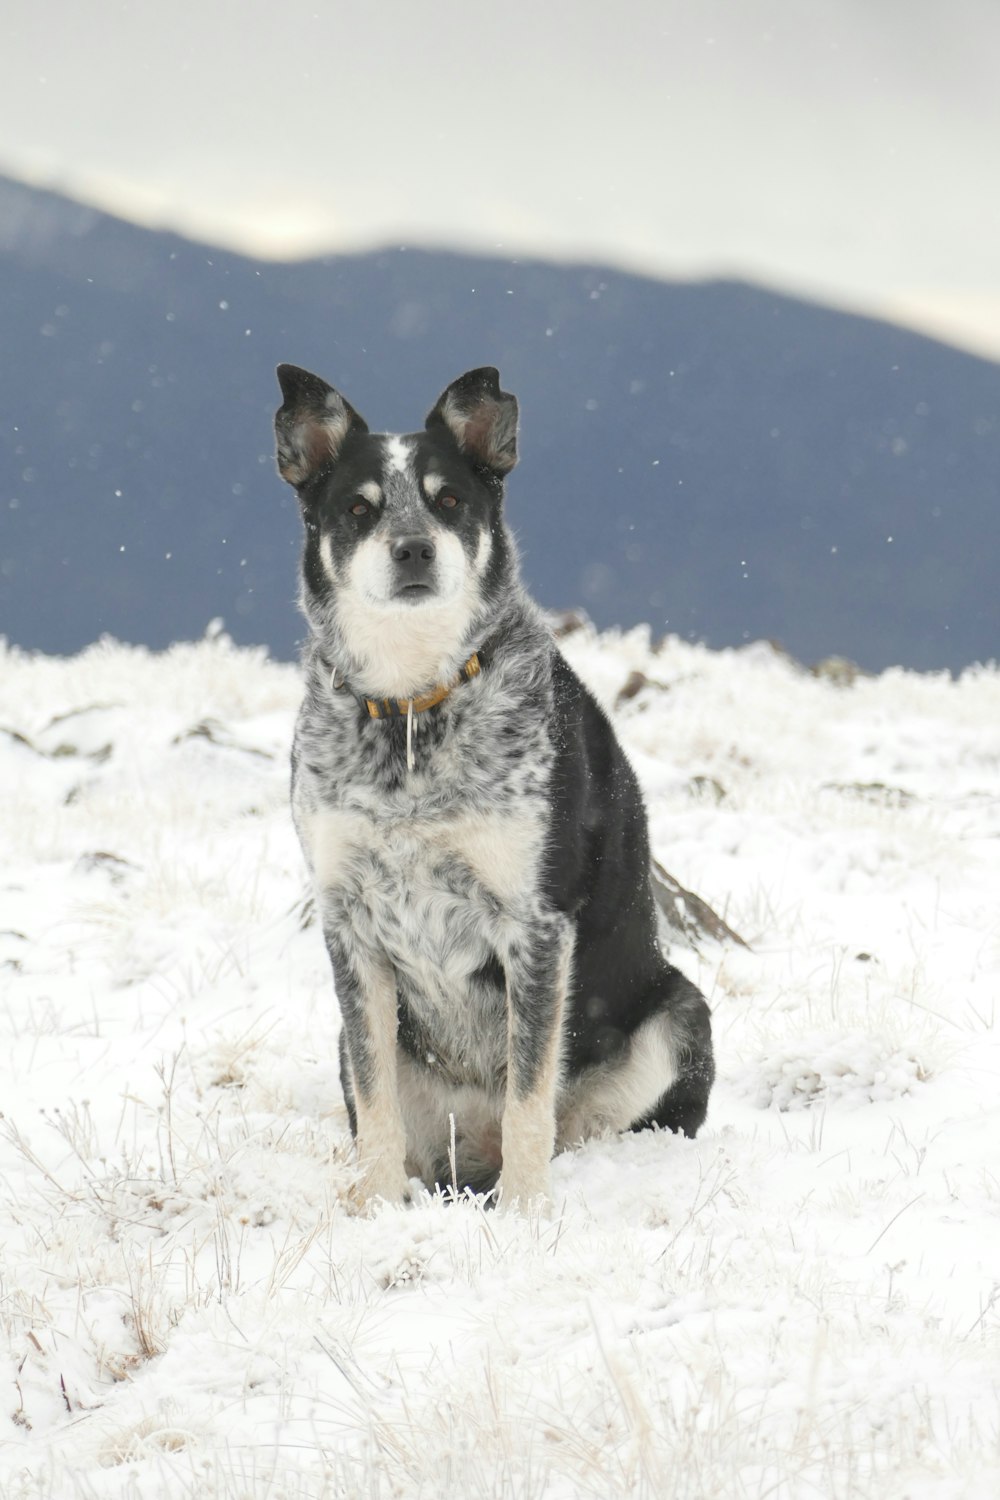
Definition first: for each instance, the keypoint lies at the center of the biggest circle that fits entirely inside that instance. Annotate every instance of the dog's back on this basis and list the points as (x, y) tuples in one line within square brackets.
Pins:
[(476, 835)]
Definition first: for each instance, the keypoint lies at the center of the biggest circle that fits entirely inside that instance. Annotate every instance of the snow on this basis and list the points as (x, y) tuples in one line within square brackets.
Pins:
[(805, 1301)]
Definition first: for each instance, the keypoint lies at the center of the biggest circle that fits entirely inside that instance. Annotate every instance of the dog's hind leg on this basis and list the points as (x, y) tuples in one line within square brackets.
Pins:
[(684, 1105), (661, 1076)]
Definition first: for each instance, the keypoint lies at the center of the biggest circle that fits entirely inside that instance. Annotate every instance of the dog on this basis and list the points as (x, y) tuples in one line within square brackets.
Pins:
[(476, 837)]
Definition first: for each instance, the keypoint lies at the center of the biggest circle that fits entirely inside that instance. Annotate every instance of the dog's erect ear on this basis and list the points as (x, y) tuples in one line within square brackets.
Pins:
[(481, 418), (312, 424)]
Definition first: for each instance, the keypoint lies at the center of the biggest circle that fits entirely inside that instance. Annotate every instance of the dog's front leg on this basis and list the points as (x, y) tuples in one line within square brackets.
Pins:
[(366, 990), (538, 973)]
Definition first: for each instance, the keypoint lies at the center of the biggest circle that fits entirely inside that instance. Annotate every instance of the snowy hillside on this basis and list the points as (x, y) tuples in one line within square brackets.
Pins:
[(803, 1302)]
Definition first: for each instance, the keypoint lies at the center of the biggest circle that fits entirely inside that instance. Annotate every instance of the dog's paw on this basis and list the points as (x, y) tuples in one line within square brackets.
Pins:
[(523, 1193), (380, 1182)]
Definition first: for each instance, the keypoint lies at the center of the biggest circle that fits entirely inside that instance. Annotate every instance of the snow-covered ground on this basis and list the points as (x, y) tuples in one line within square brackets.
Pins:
[(803, 1302)]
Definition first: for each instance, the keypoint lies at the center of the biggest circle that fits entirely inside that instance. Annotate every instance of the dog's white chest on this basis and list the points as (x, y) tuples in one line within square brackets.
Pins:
[(499, 849), (438, 895)]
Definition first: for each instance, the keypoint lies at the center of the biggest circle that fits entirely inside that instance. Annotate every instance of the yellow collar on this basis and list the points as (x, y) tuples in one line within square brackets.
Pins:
[(401, 708)]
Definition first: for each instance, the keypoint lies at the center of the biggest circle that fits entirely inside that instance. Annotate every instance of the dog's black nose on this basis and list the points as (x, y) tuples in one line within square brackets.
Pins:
[(413, 549), (413, 556)]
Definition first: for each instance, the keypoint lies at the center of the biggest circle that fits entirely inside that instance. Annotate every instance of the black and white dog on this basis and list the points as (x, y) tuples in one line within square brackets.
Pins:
[(476, 836)]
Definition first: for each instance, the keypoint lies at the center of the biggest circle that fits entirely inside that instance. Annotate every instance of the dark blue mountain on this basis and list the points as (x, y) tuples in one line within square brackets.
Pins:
[(715, 459)]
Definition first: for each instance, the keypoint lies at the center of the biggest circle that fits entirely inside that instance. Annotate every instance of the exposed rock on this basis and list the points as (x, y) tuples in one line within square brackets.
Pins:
[(686, 917), (838, 670)]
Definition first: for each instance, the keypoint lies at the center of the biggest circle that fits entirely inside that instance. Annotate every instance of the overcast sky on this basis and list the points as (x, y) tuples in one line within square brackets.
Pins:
[(846, 149)]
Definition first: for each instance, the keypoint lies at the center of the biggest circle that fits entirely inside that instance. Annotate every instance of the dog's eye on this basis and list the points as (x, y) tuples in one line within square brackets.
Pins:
[(447, 501), (359, 508)]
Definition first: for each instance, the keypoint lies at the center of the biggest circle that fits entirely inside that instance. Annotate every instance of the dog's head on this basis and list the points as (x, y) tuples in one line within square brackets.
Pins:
[(406, 549)]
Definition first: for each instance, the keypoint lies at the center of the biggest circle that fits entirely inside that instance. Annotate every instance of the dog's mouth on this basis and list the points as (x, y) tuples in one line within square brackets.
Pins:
[(414, 593)]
